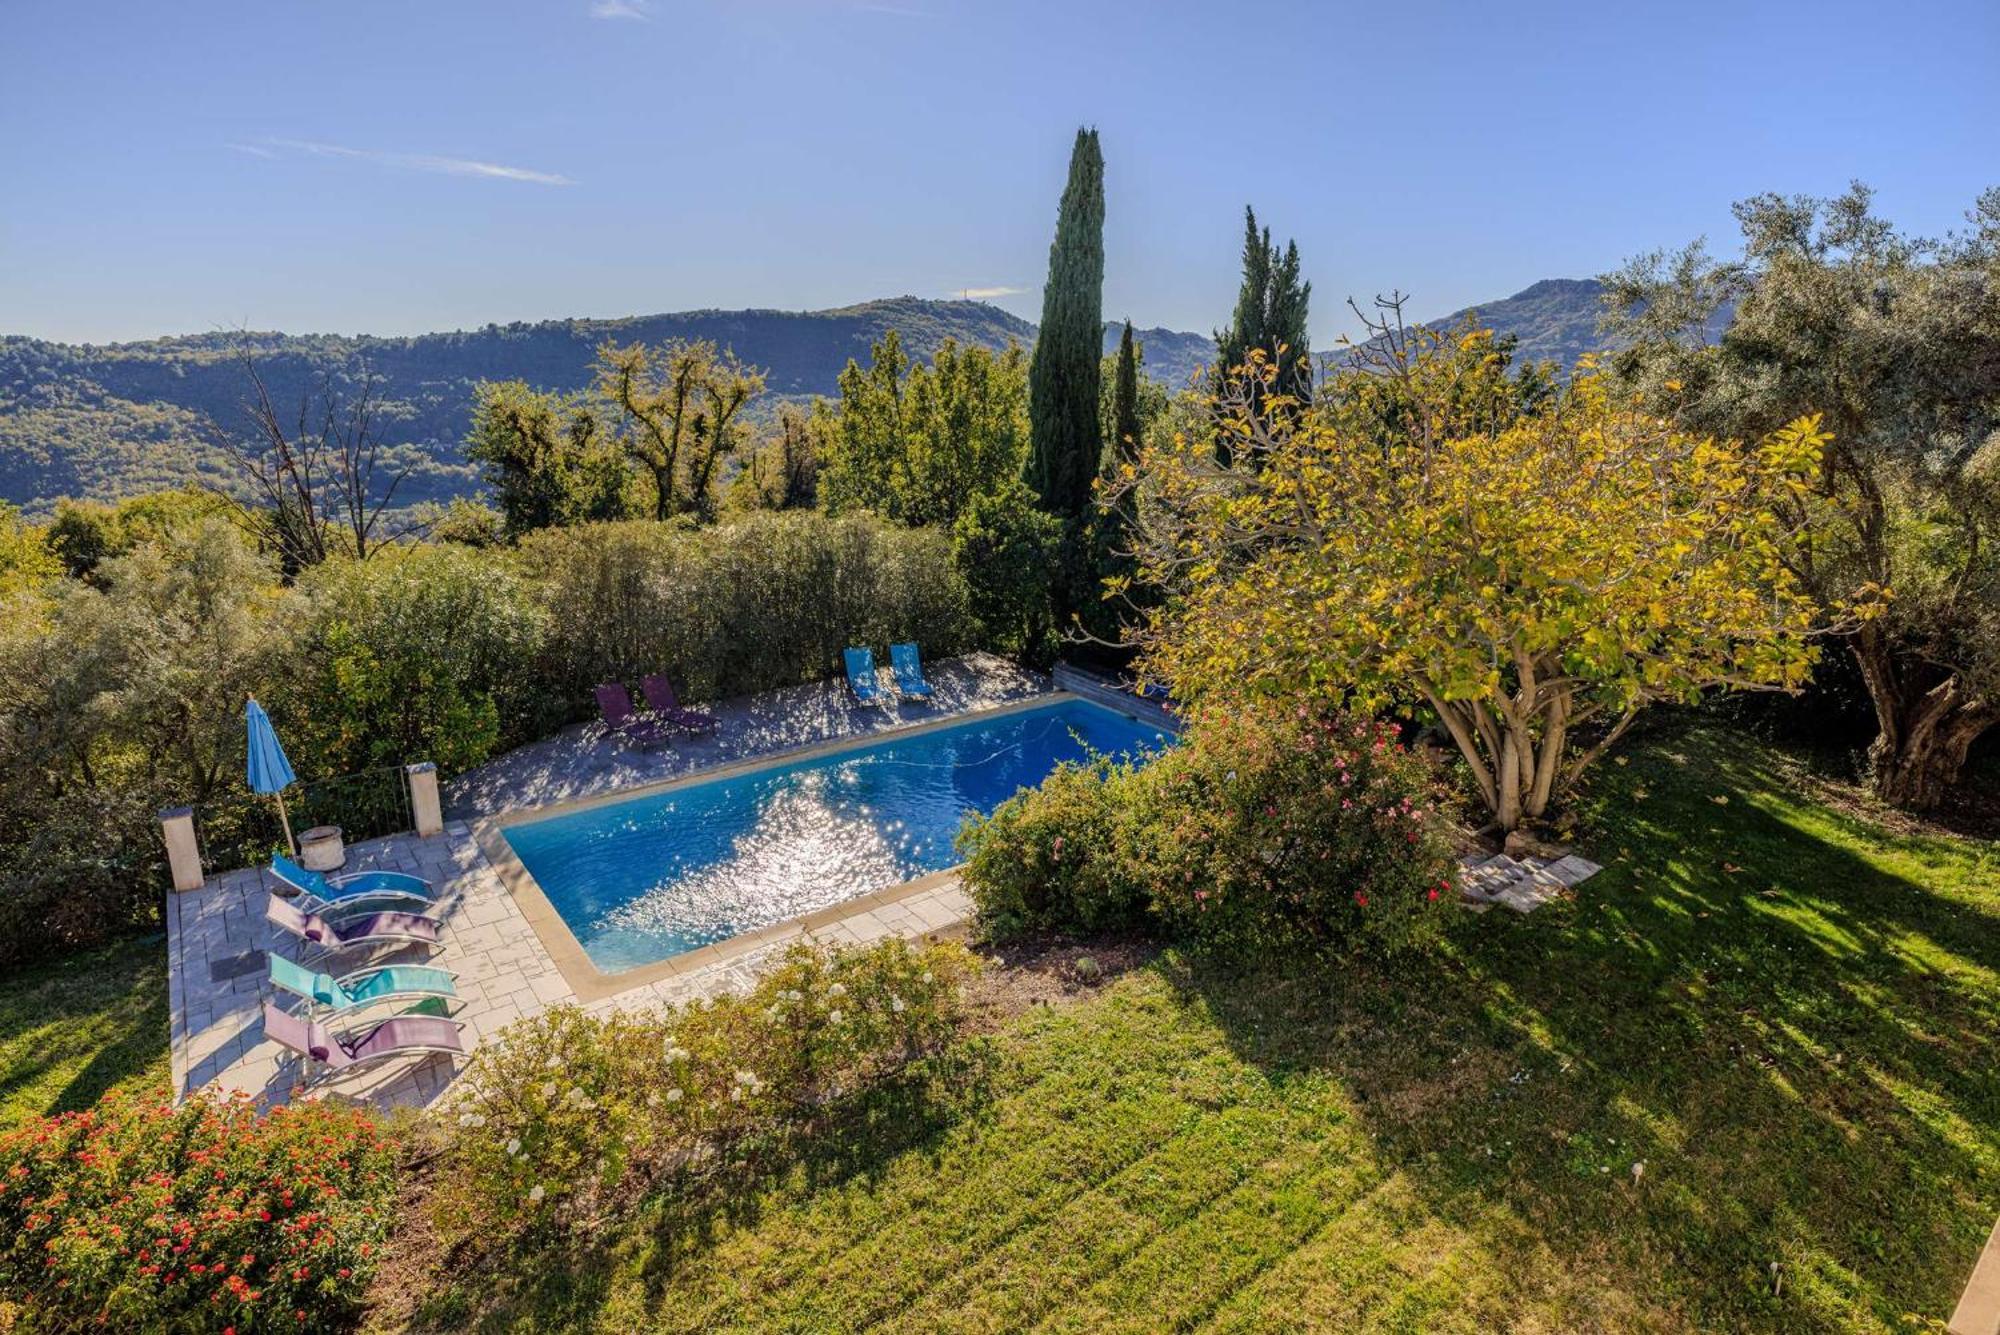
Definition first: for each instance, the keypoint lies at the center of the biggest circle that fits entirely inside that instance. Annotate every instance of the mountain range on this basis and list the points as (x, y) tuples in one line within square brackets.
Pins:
[(107, 421)]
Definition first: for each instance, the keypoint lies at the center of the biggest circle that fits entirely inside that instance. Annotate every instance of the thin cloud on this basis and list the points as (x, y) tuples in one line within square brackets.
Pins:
[(642, 10), (987, 293), (420, 162)]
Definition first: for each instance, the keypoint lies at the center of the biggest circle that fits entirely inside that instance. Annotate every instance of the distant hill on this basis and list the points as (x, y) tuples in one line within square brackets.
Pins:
[(1555, 319), (114, 420), (110, 421)]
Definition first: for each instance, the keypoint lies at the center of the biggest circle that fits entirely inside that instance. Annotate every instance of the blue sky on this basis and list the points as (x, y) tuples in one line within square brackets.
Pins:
[(395, 166)]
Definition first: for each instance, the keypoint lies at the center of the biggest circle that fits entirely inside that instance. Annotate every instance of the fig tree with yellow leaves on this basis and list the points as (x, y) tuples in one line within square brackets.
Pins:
[(1534, 583)]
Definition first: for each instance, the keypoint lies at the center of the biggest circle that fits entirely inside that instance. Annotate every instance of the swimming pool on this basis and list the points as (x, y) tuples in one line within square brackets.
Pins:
[(653, 876)]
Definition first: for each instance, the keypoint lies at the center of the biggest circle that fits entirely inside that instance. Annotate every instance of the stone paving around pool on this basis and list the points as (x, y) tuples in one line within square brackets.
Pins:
[(217, 936)]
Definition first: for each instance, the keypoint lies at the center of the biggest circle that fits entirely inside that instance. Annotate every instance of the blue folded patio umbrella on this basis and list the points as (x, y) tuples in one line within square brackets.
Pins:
[(269, 771)]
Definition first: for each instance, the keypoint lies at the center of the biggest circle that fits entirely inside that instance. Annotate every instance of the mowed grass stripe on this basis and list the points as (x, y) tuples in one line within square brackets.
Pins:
[(1094, 1233), (1051, 1137), (1387, 1263), (1181, 1275)]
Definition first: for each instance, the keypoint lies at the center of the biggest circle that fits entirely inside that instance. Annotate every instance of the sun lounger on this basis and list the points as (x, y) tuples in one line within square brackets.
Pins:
[(614, 702), (402, 1036), (861, 677), (909, 668), (320, 893), (368, 930), (364, 987), (665, 704)]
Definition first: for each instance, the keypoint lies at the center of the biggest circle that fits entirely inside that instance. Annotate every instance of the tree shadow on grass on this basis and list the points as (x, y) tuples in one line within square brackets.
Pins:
[(72, 1029), (565, 1286), (1788, 1018)]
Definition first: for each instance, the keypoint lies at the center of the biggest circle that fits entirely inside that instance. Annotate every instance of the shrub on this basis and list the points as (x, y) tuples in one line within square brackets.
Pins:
[(137, 1214), (78, 869), (418, 653), (1278, 823), (762, 601), (568, 1116), (1273, 825), (1055, 858)]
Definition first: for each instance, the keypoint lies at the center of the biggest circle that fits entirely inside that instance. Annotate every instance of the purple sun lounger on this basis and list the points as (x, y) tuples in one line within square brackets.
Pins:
[(402, 1036), (614, 702), (364, 930), (661, 699)]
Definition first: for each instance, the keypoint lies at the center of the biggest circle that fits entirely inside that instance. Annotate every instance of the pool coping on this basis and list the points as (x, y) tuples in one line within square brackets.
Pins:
[(592, 984)]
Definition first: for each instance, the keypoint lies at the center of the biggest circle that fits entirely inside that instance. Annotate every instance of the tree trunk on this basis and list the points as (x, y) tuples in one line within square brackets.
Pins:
[(1918, 774), (1921, 743)]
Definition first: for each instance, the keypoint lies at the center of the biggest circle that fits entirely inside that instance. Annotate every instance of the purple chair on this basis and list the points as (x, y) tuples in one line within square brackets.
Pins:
[(614, 702), (403, 1036), (368, 929), (661, 699)]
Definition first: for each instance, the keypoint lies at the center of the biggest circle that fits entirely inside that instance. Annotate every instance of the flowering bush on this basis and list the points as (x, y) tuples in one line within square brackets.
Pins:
[(568, 1115), (1055, 860), (1272, 824), (1279, 822), (211, 1216)]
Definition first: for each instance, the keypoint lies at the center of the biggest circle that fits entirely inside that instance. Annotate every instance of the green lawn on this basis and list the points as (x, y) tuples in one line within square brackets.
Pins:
[(73, 1029), (1786, 1014)]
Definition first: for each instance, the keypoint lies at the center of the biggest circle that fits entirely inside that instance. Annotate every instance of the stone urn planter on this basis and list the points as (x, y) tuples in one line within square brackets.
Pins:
[(321, 849)]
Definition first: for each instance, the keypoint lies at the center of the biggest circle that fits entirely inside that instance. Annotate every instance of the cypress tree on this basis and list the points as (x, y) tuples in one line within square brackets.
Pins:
[(1272, 309), (1125, 400), (1063, 379)]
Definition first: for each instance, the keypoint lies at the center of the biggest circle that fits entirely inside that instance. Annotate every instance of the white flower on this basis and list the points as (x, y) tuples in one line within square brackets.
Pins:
[(746, 1077), (653, 1099), (554, 1061), (673, 1096), (675, 1052), (929, 977), (513, 1147), (736, 1095), (896, 1005), (471, 1119), (793, 994), (548, 1089), (836, 990), (836, 1015), (536, 1192)]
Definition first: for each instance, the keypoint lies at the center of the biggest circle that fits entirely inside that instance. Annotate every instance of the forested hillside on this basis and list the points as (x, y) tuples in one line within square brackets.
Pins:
[(117, 420)]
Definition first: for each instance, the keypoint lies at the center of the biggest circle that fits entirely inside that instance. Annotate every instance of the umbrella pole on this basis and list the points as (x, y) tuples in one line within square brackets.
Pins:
[(287, 821)]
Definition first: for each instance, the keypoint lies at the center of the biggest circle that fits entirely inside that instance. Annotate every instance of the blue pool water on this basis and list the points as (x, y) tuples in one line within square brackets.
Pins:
[(643, 879)]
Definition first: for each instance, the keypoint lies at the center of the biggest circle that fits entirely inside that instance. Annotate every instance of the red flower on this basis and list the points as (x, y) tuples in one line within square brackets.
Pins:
[(1360, 899)]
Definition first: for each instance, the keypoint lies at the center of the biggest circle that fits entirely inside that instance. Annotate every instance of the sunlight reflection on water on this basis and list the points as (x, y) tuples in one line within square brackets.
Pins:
[(651, 877)]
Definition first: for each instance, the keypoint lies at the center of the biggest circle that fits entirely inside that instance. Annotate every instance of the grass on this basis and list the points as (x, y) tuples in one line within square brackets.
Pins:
[(1784, 1011), (72, 1029)]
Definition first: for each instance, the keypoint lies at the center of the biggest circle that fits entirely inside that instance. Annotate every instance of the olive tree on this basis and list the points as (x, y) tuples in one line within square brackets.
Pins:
[(1895, 341)]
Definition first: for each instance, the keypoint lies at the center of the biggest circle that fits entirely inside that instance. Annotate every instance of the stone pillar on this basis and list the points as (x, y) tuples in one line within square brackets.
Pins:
[(424, 804), (183, 853)]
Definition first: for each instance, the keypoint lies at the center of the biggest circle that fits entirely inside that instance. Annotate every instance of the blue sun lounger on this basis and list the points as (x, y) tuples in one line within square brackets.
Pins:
[(323, 894), (363, 987), (909, 671), (861, 677)]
